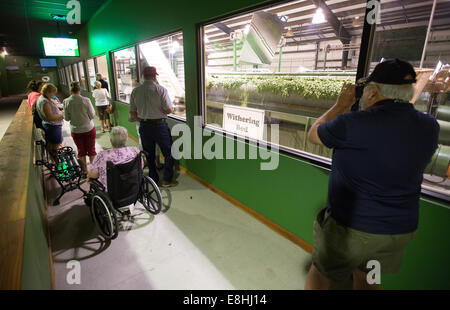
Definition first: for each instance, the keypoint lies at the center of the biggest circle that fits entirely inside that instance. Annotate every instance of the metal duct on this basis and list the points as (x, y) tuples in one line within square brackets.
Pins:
[(440, 162), (262, 40)]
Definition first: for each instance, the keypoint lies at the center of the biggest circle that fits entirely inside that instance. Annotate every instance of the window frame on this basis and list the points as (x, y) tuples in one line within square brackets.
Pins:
[(138, 62), (68, 71), (363, 67), (113, 63), (79, 74), (107, 66), (88, 81), (61, 76), (314, 159), (75, 71)]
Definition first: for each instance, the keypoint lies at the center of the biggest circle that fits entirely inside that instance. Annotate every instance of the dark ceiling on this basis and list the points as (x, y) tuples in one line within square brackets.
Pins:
[(24, 22)]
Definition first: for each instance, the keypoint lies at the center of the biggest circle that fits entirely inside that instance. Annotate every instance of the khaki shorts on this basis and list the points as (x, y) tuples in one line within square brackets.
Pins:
[(338, 250), (102, 114)]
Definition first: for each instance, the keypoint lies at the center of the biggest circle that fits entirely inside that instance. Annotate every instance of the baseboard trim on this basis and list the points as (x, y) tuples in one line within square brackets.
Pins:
[(275, 227)]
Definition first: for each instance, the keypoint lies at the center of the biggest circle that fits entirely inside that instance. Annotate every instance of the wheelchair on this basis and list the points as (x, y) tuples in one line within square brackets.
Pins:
[(127, 184)]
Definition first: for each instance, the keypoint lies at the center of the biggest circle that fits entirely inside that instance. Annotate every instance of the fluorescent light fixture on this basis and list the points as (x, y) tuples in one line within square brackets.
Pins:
[(247, 29), (59, 17), (318, 17), (175, 47), (289, 33)]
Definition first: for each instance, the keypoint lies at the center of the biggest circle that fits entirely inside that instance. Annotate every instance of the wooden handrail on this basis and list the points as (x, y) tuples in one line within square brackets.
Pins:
[(15, 159)]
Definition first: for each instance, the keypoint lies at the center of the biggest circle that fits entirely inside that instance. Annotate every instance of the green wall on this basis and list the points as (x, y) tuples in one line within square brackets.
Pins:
[(289, 196), (28, 68)]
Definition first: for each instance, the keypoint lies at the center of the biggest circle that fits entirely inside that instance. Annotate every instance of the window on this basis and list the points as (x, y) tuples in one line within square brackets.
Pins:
[(62, 76), (284, 64), (91, 72), (166, 54), (102, 67), (69, 75), (402, 34), (75, 73), (82, 75), (125, 73)]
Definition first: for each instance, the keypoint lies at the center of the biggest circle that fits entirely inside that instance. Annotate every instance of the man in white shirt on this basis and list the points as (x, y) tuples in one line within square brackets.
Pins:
[(150, 104)]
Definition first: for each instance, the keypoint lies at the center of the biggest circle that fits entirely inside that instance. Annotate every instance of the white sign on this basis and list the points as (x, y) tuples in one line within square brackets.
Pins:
[(243, 121)]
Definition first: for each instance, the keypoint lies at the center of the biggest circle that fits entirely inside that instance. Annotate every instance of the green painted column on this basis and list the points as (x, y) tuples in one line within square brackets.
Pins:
[(279, 60), (234, 55)]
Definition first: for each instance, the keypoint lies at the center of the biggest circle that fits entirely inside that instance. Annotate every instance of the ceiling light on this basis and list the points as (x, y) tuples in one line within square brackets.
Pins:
[(58, 17), (356, 22), (318, 17), (289, 33)]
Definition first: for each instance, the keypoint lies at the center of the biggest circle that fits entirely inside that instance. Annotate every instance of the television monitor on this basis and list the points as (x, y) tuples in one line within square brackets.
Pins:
[(61, 47), (48, 62)]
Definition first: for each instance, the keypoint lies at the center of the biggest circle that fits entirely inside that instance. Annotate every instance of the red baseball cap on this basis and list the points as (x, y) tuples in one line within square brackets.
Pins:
[(150, 71)]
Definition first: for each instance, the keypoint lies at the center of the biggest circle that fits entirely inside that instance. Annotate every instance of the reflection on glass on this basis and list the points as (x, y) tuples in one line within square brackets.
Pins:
[(69, 74), (82, 75), (62, 76), (75, 73), (166, 54), (125, 69), (396, 38), (277, 61), (91, 72), (102, 68)]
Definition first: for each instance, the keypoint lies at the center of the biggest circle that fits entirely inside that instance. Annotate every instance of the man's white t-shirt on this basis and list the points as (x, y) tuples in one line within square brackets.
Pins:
[(101, 96)]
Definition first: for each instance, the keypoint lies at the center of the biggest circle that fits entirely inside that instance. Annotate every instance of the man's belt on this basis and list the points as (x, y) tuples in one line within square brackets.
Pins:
[(153, 121)]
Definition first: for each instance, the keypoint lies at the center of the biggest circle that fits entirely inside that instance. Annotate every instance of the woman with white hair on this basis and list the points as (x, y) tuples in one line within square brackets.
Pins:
[(101, 96), (119, 154)]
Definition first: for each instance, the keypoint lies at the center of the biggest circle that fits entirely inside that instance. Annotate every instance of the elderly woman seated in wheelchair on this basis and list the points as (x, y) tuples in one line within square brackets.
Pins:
[(117, 182)]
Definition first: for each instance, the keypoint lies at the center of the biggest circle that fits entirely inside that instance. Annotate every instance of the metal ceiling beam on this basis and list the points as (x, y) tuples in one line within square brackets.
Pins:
[(224, 28)]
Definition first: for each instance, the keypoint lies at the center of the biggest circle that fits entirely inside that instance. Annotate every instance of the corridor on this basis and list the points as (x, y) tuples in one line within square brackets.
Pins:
[(198, 241)]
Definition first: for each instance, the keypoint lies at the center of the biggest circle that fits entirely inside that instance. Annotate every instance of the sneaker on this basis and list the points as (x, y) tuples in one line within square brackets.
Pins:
[(169, 184)]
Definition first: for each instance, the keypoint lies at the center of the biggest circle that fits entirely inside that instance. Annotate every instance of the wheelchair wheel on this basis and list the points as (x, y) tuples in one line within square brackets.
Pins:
[(104, 215), (150, 196)]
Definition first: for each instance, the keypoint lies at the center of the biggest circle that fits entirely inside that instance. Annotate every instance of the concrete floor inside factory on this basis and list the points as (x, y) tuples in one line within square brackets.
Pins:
[(199, 241)]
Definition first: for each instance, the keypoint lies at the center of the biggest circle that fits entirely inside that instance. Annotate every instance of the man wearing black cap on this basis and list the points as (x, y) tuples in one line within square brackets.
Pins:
[(150, 104), (380, 154)]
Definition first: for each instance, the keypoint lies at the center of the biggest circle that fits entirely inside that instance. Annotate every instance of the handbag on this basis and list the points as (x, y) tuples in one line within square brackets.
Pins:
[(36, 117), (109, 109)]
